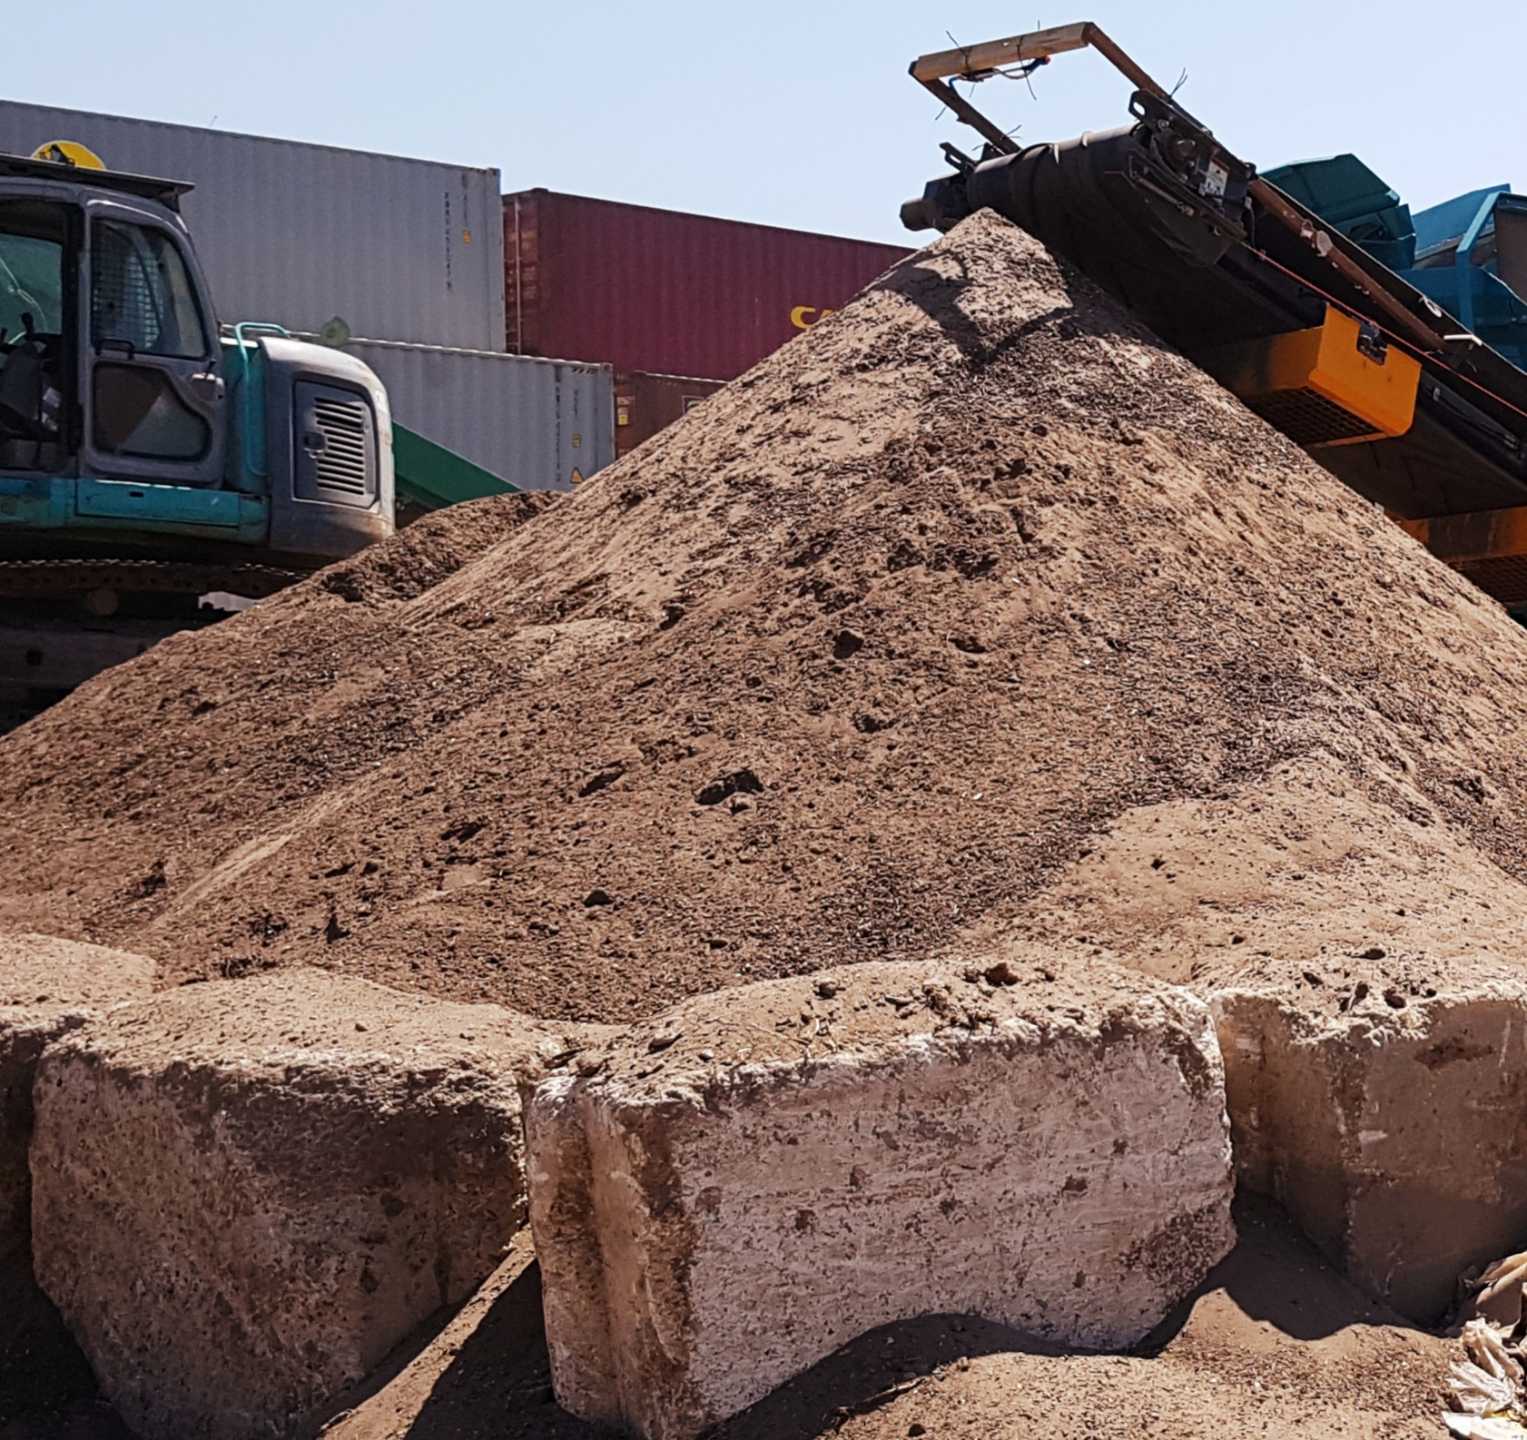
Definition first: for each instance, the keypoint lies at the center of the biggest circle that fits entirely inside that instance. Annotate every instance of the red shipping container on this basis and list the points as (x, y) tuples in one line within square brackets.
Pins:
[(645, 403), (665, 292)]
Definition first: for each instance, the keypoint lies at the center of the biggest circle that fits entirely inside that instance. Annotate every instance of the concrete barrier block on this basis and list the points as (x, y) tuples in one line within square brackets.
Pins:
[(245, 1193), (48, 987), (1389, 1122), (749, 1182)]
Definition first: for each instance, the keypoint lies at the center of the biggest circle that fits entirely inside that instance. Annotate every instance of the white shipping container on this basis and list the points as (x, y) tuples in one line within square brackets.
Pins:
[(299, 233), (539, 424)]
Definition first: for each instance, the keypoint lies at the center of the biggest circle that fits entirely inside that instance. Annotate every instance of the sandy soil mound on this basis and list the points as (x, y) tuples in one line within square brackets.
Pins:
[(970, 609)]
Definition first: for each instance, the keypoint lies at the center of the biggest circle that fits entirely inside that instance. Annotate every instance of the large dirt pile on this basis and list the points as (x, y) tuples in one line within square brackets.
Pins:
[(974, 612)]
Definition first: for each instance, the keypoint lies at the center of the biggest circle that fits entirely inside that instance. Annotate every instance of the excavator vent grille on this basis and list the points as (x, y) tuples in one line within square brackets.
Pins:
[(344, 460), (336, 445)]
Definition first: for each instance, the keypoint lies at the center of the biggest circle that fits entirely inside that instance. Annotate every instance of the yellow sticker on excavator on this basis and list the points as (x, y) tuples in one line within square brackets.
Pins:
[(69, 152)]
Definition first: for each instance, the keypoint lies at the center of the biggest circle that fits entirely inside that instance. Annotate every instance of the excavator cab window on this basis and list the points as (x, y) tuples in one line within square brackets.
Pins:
[(140, 293), (36, 289), (151, 347)]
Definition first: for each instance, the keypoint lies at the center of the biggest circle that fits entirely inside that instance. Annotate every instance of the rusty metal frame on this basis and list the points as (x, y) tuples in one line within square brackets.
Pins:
[(1488, 547), (978, 61), (1472, 537)]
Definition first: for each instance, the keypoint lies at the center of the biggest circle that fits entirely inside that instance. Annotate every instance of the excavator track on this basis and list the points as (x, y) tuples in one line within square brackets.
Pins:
[(38, 579), (65, 619)]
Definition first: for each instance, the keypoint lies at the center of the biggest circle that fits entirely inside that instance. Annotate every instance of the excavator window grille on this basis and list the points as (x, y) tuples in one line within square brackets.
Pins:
[(140, 294)]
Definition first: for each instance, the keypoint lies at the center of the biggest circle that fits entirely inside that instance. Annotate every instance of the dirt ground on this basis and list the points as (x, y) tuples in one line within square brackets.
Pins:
[(46, 1389), (973, 612), (1272, 1344)]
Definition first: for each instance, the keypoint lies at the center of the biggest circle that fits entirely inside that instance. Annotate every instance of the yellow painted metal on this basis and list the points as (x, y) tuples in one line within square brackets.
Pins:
[(69, 152), (1381, 391), (1320, 386)]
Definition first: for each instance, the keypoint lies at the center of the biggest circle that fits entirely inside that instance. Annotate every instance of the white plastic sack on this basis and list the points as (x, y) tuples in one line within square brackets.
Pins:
[(1486, 1387), (1478, 1427)]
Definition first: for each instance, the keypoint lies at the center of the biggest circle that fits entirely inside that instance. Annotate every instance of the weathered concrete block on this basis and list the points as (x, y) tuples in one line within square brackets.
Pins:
[(245, 1193), (1393, 1130), (742, 1186), (47, 986)]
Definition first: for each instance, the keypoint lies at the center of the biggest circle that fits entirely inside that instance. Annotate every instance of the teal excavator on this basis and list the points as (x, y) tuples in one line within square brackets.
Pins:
[(156, 467), (1391, 347)]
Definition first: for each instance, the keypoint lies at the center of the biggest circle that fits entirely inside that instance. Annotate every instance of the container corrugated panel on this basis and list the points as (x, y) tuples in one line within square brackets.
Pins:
[(299, 233), (645, 404), (665, 292), (539, 424)]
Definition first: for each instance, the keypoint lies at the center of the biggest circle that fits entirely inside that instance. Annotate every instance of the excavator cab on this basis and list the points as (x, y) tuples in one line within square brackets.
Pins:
[(108, 359), (129, 419), (148, 456)]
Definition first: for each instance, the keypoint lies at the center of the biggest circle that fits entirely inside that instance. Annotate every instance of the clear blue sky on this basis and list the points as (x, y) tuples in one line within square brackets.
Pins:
[(787, 112)]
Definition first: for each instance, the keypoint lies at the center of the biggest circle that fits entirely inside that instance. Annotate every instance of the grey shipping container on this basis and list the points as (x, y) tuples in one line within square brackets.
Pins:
[(539, 424), (299, 233)]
